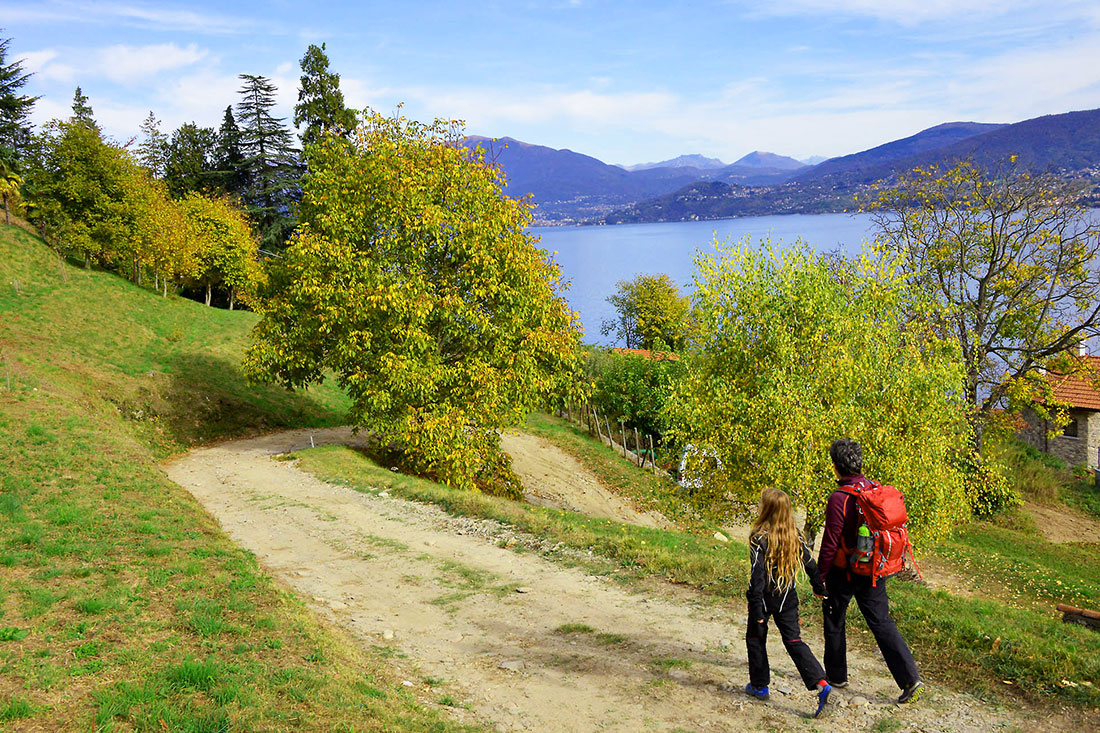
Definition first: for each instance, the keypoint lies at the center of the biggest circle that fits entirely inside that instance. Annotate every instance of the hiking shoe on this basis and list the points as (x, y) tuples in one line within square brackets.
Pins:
[(760, 693), (911, 693), (822, 698), (839, 685)]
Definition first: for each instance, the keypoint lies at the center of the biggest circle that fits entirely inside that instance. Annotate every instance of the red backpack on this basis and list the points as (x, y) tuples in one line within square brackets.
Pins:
[(882, 550)]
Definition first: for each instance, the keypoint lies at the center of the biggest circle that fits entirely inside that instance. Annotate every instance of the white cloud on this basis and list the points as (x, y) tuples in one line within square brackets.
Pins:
[(34, 61), (142, 15), (125, 64)]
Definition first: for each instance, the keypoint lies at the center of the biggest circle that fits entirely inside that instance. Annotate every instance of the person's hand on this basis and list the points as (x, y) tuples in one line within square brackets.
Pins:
[(759, 620), (820, 597)]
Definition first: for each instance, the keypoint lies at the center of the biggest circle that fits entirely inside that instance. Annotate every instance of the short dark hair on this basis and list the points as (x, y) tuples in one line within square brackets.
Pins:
[(847, 456)]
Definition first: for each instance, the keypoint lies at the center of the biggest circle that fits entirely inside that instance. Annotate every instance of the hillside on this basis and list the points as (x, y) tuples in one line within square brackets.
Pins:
[(1066, 143), (123, 605), (569, 186), (860, 167)]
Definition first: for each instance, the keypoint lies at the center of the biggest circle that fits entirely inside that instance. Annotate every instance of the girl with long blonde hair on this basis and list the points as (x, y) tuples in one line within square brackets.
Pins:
[(777, 553)]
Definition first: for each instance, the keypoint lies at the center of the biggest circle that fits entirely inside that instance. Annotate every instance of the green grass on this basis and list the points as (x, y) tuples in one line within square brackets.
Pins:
[(124, 606), (1023, 569), (955, 639)]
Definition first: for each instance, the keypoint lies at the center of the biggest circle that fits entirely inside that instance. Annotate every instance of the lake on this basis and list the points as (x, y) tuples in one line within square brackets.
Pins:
[(594, 258)]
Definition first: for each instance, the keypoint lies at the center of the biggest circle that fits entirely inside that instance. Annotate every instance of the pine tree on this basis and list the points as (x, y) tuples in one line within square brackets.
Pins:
[(230, 174), (82, 111), (15, 108), (153, 150), (270, 162), (320, 102)]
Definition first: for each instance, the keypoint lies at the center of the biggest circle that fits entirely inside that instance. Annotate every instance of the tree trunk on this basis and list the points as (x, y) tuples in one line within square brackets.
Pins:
[(87, 260), (232, 298), (208, 294), (7, 213)]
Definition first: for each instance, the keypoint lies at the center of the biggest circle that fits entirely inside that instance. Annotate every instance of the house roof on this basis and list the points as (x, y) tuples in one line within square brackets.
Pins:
[(647, 354), (1079, 390)]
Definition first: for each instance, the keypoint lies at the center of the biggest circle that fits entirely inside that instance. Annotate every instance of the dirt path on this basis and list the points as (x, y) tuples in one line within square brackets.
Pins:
[(456, 597), (551, 477), (1061, 525)]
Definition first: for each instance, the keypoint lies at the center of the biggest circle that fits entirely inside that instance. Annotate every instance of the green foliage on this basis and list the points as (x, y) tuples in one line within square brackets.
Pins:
[(270, 165), (189, 165), (1011, 259), (412, 277), (632, 388), (15, 108), (988, 488), (652, 313), (320, 102), (228, 253), (795, 352), (77, 185), (82, 111), (152, 151)]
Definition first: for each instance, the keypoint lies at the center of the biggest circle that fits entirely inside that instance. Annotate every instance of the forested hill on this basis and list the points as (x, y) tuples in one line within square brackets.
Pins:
[(569, 186), (869, 164), (1068, 144)]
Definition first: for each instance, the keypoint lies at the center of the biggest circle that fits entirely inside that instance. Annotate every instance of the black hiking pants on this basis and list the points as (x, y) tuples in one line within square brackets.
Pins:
[(875, 607), (756, 638)]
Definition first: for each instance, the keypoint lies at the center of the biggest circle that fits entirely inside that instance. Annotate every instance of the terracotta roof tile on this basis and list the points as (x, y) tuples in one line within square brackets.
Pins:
[(1078, 390), (645, 353)]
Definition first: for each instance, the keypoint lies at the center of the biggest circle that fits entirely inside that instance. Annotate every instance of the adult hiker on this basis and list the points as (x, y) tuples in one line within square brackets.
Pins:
[(838, 545)]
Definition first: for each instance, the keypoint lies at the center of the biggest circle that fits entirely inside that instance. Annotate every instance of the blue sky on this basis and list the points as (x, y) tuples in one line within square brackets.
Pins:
[(626, 82)]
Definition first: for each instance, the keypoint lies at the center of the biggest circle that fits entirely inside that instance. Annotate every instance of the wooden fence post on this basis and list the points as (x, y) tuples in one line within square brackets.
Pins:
[(597, 418)]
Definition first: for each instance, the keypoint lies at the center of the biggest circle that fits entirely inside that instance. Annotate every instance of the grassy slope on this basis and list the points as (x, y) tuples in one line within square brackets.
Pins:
[(971, 644), (122, 604)]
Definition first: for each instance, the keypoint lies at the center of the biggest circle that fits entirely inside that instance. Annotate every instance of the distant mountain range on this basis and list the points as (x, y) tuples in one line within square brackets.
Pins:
[(573, 188), (682, 161)]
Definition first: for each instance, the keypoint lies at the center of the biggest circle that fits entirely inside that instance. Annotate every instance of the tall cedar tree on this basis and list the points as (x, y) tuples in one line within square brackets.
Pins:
[(190, 164), (153, 150), (15, 108), (228, 159), (270, 163), (82, 111), (320, 102)]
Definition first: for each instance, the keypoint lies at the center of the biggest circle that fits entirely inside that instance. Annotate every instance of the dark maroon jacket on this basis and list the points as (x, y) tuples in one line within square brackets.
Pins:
[(841, 524)]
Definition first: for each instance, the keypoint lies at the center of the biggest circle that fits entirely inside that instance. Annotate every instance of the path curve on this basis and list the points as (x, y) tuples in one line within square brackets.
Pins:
[(443, 591)]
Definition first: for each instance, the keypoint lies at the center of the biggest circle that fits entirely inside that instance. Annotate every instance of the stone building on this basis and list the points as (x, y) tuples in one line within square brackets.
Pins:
[(1079, 441)]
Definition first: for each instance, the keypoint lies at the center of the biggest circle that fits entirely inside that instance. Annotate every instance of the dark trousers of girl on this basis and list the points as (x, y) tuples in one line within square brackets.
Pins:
[(790, 631), (875, 606)]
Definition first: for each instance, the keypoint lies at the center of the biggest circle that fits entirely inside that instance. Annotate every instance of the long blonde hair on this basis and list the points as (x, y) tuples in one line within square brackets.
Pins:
[(776, 521)]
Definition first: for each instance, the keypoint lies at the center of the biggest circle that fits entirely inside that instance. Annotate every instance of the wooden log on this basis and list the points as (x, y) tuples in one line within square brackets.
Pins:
[(1080, 616)]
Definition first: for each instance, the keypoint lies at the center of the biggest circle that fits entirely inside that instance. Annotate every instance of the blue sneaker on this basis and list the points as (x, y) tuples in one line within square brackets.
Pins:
[(822, 698), (760, 693)]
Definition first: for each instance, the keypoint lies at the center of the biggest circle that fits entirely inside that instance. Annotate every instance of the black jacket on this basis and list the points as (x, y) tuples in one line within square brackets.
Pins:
[(764, 598)]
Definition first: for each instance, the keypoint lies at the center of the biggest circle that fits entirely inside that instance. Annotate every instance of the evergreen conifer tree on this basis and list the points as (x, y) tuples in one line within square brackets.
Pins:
[(82, 111), (15, 108), (190, 165), (320, 102), (230, 173), (270, 162), (153, 150)]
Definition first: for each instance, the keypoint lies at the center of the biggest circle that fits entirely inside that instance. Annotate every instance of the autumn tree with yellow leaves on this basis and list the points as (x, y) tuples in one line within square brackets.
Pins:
[(1012, 258), (413, 279)]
